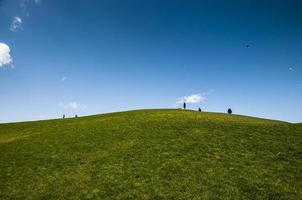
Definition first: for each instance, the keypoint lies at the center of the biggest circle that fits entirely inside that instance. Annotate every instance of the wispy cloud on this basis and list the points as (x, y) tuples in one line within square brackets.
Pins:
[(63, 78), (5, 57), (16, 24), (24, 4), (194, 98), (17, 21), (72, 106)]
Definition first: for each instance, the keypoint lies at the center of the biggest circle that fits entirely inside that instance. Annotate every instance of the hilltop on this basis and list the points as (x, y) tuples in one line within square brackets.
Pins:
[(151, 154)]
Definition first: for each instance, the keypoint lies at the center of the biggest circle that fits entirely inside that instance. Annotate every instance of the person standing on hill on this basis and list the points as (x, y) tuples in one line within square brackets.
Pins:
[(199, 109), (185, 105), (230, 111)]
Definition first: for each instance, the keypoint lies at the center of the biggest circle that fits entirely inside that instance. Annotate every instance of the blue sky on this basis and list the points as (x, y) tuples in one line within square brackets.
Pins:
[(98, 56)]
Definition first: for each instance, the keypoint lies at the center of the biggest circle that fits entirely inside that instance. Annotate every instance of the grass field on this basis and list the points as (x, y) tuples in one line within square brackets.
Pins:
[(151, 154)]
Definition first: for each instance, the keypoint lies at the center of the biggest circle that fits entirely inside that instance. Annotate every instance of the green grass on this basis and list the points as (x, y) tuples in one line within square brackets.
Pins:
[(151, 154)]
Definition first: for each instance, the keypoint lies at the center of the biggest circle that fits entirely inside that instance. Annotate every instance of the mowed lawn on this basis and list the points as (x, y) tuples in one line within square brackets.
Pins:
[(151, 154)]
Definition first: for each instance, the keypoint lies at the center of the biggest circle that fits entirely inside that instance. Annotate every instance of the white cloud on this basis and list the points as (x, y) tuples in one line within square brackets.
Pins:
[(5, 57), (17, 21), (73, 106), (16, 24), (24, 4), (195, 98)]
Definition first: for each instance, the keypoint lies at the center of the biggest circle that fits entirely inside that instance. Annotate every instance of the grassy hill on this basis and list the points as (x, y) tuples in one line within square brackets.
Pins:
[(151, 154)]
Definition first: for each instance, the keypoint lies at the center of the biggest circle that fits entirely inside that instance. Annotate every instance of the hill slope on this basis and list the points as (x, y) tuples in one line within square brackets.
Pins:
[(151, 154)]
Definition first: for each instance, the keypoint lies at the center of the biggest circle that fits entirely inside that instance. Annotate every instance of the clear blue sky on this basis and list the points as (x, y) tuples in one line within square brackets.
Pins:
[(97, 56)]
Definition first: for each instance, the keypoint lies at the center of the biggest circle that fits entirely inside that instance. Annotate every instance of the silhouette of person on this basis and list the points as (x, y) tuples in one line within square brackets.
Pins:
[(76, 116), (64, 116), (230, 111), (199, 109), (185, 105)]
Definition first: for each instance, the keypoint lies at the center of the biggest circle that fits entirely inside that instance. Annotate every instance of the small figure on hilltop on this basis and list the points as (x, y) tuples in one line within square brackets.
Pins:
[(63, 116), (185, 105), (76, 116), (199, 109), (230, 111)]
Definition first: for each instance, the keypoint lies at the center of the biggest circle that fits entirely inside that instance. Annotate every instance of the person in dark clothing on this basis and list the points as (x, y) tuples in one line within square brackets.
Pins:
[(199, 109), (230, 111), (185, 105), (64, 116)]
